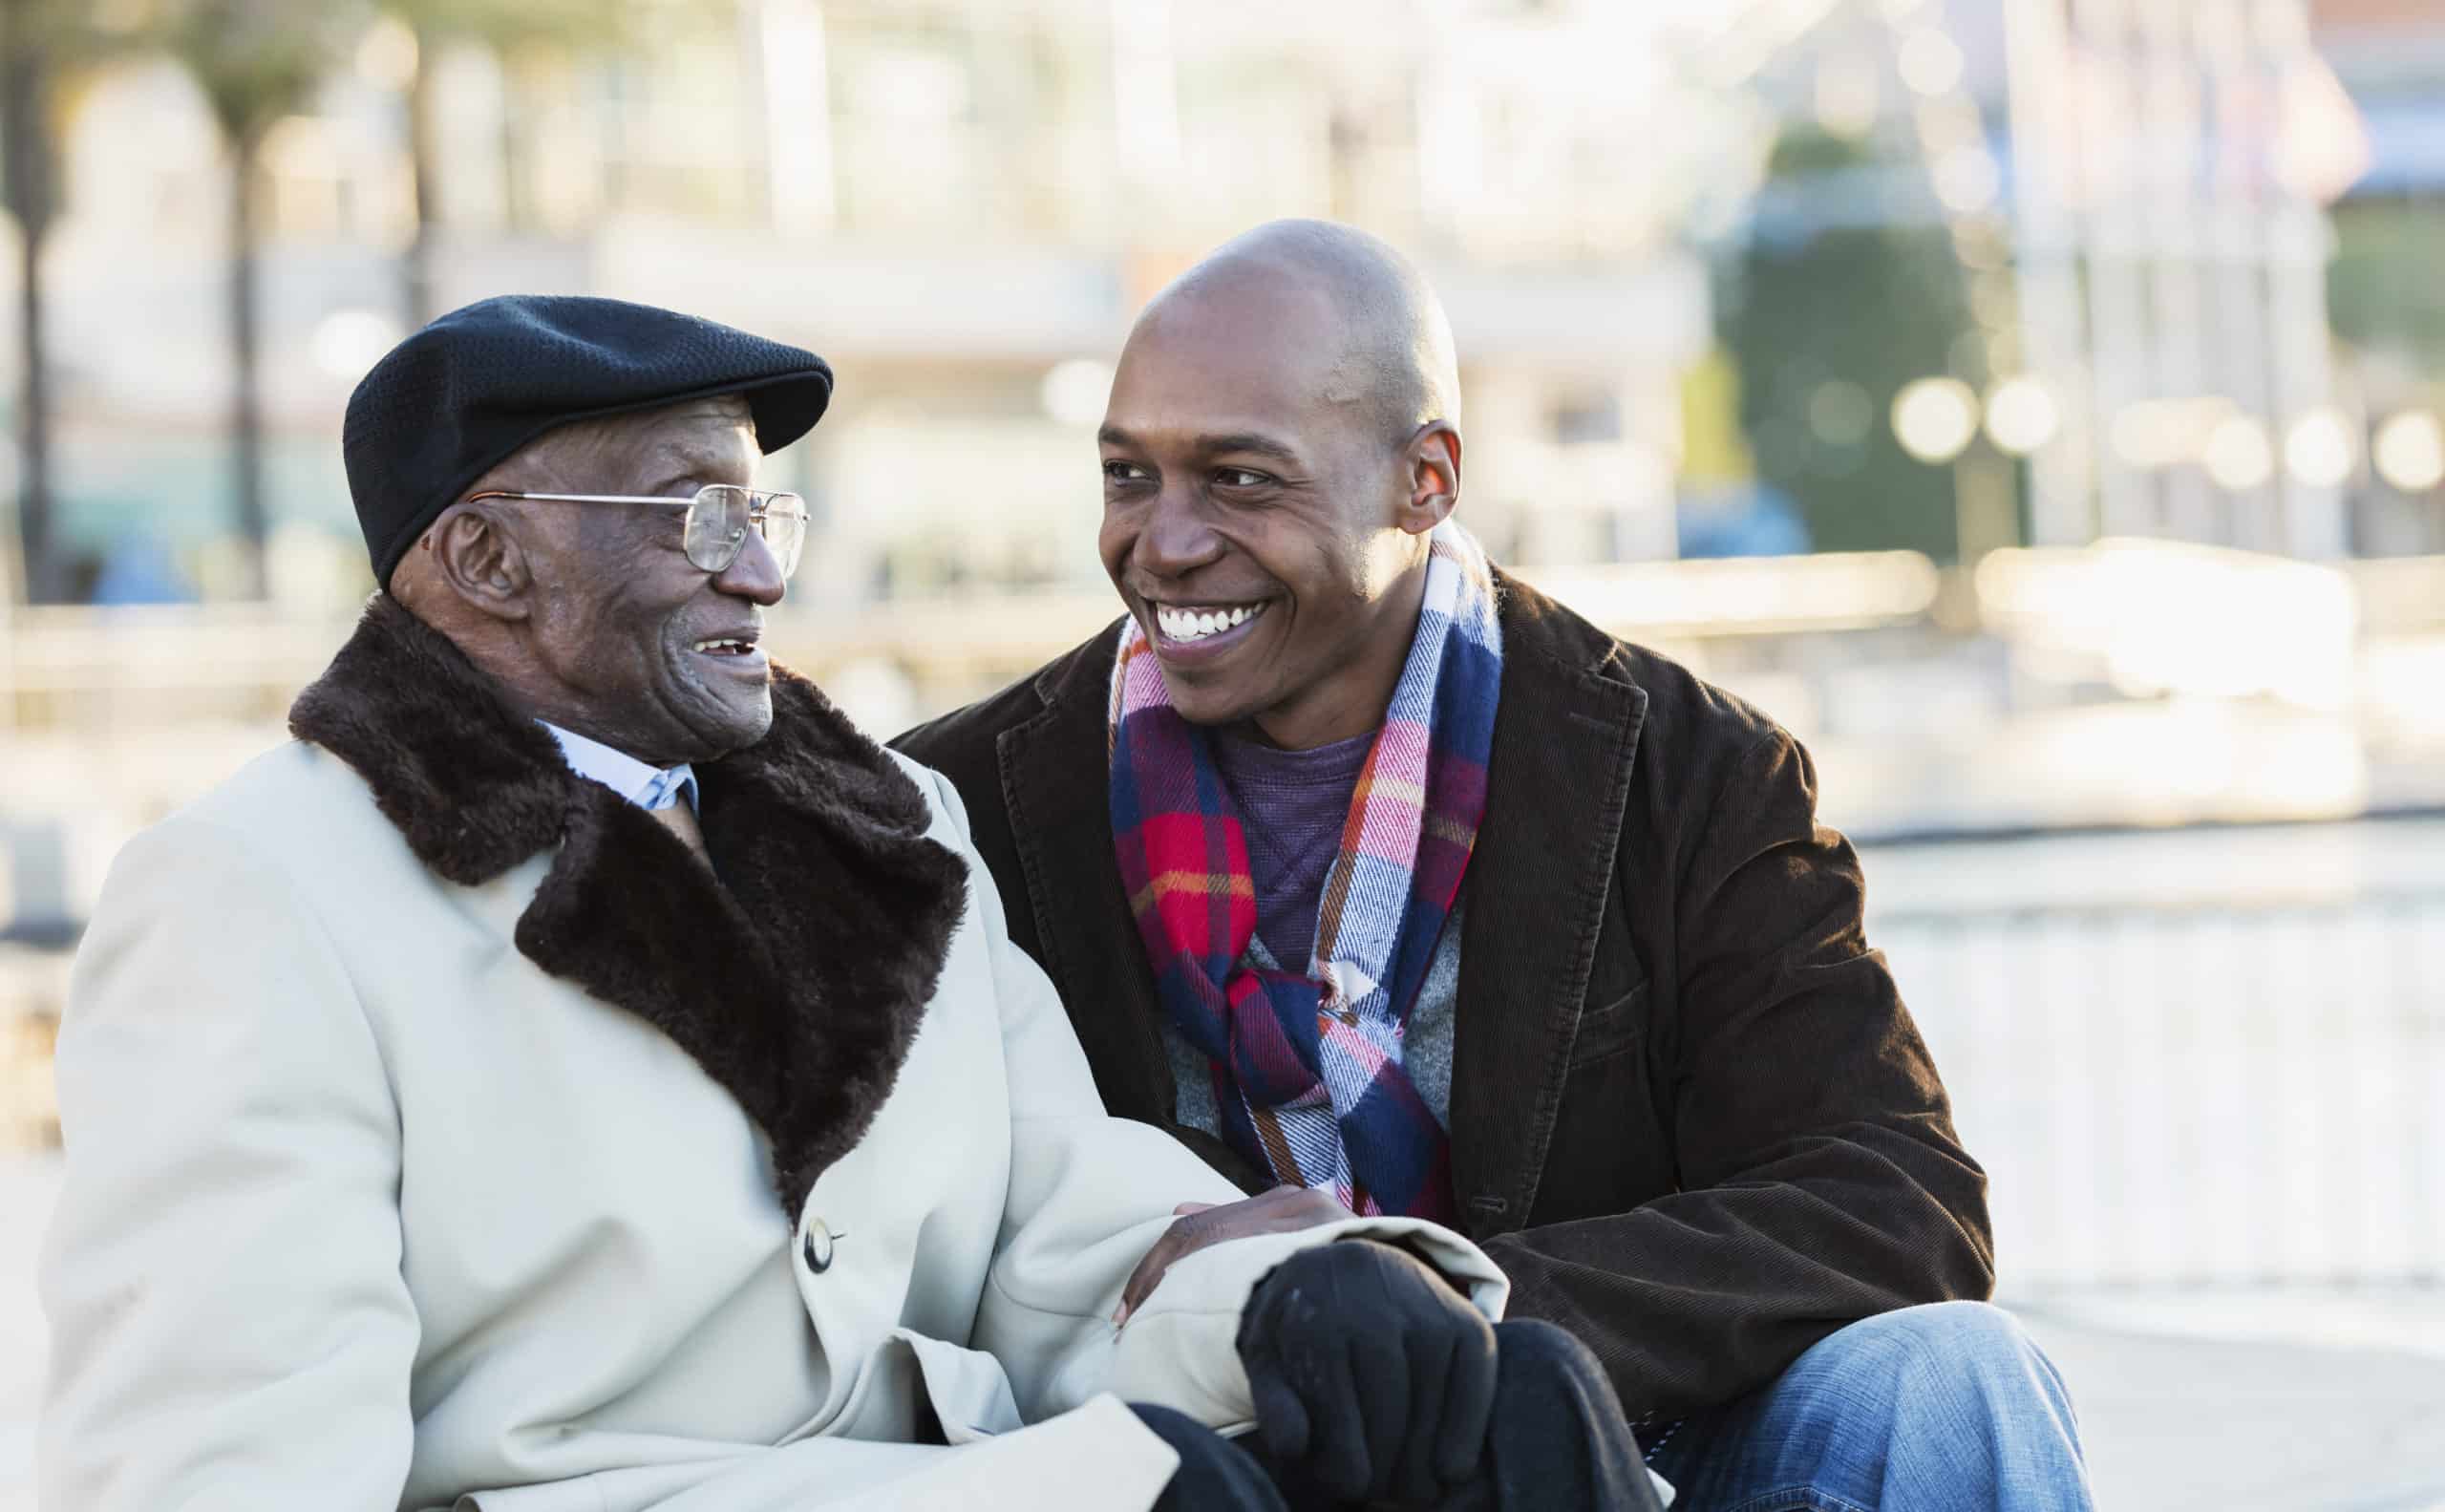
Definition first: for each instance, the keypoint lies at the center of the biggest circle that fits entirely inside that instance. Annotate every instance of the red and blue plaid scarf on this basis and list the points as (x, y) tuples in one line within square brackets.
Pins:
[(1307, 1066)]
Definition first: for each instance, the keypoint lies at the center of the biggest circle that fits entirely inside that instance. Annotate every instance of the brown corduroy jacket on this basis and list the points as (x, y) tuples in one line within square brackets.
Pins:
[(1691, 1117)]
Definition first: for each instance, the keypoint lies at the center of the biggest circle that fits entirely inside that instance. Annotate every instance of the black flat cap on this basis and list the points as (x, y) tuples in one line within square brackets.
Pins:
[(453, 401)]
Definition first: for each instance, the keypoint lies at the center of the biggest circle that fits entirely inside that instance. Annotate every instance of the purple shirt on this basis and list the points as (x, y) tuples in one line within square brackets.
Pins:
[(1293, 806)]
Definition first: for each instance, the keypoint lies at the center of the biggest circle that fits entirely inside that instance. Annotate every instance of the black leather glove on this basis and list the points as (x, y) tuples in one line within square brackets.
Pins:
[(1369, 1373)]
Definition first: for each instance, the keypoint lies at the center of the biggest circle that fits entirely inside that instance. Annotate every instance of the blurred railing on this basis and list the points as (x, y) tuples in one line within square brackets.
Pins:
[(2224, 1092), (159, 664)]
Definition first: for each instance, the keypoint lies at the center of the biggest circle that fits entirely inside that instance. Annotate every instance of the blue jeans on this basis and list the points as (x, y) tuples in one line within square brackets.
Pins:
[(1947, 1407)]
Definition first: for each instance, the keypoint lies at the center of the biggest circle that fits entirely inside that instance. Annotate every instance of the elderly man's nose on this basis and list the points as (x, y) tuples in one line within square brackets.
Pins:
[(1178, 538), (754, 575)]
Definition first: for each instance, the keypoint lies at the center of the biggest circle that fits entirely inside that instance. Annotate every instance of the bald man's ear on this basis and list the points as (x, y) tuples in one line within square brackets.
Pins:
[(1433, 457), (473, 551)]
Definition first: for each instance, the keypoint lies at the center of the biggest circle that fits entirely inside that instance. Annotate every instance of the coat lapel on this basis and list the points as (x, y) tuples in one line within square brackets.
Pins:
[(1558, 783), (796, 972)]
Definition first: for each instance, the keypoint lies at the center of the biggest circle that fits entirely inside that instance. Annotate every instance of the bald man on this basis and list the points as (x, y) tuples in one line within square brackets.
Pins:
[(1371, 873)]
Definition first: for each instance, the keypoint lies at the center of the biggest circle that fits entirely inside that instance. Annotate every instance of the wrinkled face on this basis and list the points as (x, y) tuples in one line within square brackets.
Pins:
[(653, 654), (1250, 504)]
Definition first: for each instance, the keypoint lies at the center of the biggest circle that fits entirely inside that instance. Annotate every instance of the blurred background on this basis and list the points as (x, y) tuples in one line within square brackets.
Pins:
[(2035, 404)]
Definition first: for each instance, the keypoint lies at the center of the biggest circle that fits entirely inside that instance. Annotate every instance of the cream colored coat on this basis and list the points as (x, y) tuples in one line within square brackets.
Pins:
[(364, 1209)]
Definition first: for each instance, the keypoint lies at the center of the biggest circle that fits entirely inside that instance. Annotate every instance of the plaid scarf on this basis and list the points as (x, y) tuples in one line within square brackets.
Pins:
[(1307, 1065)]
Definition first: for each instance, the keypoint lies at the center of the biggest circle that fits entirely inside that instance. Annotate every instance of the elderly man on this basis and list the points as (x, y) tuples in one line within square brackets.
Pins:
[(1496, 920), (577, 1073)]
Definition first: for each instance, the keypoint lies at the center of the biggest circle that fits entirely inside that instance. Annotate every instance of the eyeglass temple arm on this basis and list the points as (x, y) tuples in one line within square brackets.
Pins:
[(762, 497), (585, 499)]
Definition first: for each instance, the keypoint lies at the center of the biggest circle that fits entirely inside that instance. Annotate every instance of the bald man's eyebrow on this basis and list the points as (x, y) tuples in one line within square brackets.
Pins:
[(1209, 445), (1246, 441)]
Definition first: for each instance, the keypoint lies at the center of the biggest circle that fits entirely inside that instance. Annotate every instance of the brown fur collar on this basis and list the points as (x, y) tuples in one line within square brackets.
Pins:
[(797, 978)]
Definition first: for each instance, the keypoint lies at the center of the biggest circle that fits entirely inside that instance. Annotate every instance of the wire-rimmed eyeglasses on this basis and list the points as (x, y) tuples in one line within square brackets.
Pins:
[(719, 516)]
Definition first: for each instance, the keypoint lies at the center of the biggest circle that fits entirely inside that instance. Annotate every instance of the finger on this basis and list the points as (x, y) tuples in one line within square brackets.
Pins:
[(1380, 1374), (1187, 1209), (1299, 1205), (1415, 1474), (1338, 1446), (1177, 1240), (1282, 1418), (1468, 1406)]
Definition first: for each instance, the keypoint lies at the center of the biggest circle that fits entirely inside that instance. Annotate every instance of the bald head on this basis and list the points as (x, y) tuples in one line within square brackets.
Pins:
[(1387, 344), (1281, 441)]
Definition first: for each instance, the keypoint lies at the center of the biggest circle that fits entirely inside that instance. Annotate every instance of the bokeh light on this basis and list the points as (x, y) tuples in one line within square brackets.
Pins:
[(1967, 179), (2022, 416), (1930, 62), (1073, 392), (2318, 451), (2409, 451), (1935, 418), (2238, 455)]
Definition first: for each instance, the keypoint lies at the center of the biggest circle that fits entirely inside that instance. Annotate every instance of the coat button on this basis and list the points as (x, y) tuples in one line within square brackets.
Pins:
[(818, 1248)]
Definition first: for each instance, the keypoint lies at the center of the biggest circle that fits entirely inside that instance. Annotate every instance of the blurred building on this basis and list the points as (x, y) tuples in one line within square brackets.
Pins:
[(961, 204), (2192, 244), (2386, 302)]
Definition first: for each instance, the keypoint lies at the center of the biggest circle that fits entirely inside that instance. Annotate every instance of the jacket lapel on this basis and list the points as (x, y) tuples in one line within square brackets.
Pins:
[(1558, 783), (1056, 784), (796, 972)]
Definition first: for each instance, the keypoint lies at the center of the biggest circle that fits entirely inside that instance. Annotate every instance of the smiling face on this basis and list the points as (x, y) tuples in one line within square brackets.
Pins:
[(590, 615), (1265, 520), (652, 655)]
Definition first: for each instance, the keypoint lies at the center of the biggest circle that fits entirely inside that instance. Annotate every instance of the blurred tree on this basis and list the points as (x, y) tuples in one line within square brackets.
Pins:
[(505, 25), (256, 61), (45, 45), (2382, 293), (1830, 310)]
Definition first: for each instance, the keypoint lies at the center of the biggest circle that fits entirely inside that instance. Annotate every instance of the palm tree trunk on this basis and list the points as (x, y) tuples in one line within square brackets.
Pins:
[(34, 532), (245, 417), (416, 267), (24, 125)]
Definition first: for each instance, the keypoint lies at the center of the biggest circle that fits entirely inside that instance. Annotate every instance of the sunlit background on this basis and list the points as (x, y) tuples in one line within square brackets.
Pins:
[(2035, 404)]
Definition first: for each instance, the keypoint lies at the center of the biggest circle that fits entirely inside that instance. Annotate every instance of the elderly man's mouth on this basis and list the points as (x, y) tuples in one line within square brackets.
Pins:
[(736, 652)]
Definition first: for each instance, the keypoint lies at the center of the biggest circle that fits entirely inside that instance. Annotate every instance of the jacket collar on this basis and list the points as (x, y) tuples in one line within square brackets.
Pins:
[(1558, 785), (796, 971)]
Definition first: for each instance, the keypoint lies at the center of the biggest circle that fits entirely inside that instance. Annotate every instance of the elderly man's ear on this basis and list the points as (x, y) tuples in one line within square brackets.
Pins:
[(475, 552)]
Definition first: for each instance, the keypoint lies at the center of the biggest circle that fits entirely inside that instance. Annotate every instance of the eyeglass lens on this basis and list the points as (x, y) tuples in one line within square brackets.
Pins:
[(721, 516)]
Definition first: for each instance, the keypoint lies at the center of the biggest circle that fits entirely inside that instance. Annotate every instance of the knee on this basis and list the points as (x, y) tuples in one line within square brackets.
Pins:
[(1960, 1336), (1537, 1356), (1214, 1475), (1537, 1343), (1948, 1352), (1546, 1371), (1196, 1442)]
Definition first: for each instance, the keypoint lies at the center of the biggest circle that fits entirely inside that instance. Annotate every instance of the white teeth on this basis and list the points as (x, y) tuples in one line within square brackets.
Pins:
[(1196, 625), (724, 645)]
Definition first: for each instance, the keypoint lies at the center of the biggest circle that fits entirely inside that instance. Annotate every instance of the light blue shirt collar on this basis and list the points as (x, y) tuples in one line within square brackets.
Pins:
[(646, 786)]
